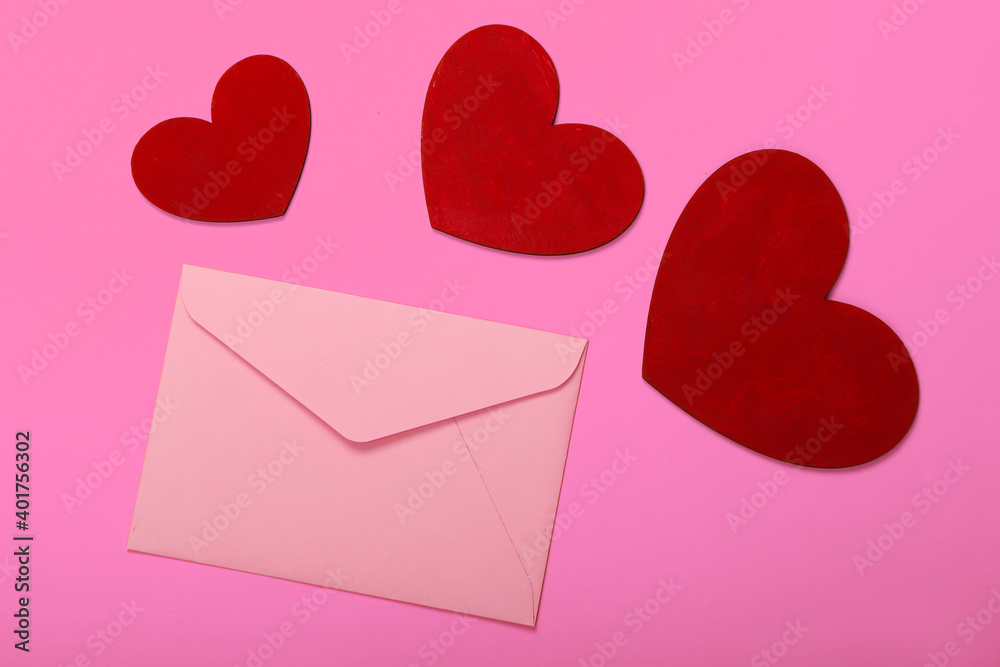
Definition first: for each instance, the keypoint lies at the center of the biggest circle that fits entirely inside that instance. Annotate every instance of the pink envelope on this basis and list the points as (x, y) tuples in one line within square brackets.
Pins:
[(358, 444)]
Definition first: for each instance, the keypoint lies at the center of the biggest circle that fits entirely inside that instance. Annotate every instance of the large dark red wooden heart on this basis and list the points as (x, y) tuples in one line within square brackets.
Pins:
[(245, 164), (741, 336), (497, 171)]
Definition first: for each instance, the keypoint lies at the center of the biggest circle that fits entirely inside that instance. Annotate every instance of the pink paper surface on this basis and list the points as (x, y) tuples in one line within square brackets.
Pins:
[(650, 565), (455, 413)]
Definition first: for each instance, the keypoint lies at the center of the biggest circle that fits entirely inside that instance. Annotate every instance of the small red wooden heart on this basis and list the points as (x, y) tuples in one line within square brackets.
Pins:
[(741, 336), (246, 163), (497, 171)]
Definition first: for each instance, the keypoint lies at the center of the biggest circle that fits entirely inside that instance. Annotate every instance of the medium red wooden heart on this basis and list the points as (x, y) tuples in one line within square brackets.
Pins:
[(497, 171), (741, 336), (245, 164)]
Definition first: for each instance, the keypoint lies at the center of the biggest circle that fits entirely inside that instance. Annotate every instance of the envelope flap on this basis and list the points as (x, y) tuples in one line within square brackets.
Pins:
[(371, 368)]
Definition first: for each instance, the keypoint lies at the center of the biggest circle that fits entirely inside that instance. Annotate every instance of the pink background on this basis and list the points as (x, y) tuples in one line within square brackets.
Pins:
[(666, 516)]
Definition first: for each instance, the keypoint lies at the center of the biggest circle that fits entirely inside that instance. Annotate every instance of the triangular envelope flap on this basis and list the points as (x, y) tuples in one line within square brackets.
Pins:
[(372, 368)]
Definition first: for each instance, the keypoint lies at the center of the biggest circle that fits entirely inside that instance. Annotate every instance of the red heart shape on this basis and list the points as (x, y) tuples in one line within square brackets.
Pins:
[(246, 163), (741, 336), (497, 171)]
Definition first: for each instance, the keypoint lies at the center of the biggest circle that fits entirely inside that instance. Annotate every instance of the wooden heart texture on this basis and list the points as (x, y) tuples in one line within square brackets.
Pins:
[(246, 163), (741, 335), (497, 172)]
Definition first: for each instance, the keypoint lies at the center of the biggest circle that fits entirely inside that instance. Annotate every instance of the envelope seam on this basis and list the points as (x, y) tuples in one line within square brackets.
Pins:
[(496, 509)]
